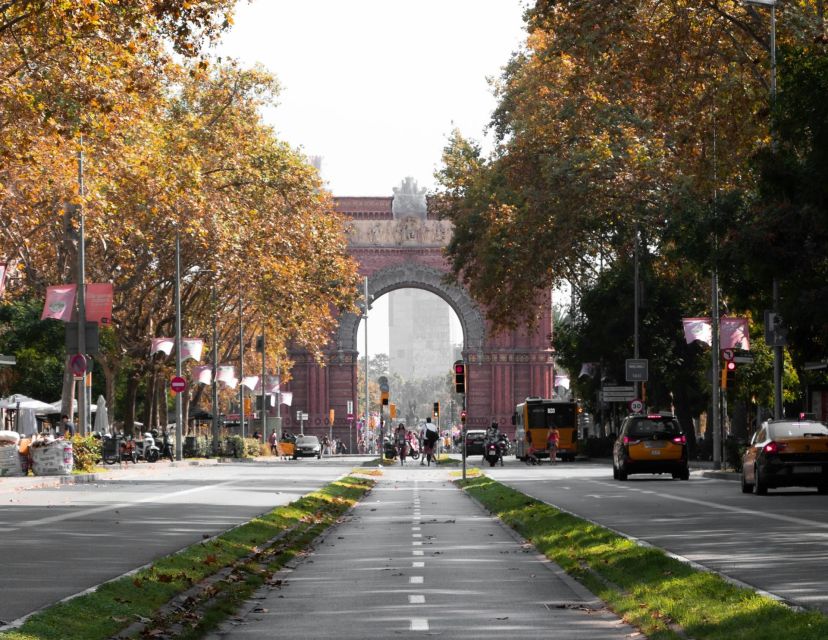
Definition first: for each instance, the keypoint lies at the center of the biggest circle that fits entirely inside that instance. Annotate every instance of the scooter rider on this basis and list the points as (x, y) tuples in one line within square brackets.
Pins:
[(493, 435)]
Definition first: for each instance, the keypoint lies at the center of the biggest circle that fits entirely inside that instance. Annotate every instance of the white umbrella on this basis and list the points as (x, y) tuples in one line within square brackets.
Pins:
[(57, 404), (101, 416), (19, 401), (27, 423)]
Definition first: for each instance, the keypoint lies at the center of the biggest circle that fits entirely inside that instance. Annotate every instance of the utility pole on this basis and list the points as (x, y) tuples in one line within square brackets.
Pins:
[(367, 401), (179, 427), (215, 373), (241, 370)]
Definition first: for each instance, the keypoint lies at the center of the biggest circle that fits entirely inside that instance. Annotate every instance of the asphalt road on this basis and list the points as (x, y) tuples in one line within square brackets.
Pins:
[(62, 540), (418, 558), (776, 543)]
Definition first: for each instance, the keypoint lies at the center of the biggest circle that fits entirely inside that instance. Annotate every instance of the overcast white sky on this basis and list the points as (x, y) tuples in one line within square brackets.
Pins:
[(376, 86)]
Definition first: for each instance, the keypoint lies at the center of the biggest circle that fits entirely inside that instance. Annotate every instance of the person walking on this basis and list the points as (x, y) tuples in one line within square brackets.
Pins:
[(274, 448), (399, 441), (552, 441), (66, 426)]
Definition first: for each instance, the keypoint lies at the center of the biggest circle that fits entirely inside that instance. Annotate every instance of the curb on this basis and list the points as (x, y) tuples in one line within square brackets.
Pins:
[(721, 475)]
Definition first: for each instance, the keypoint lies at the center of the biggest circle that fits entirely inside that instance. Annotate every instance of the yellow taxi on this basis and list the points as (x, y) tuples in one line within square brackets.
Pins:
[(786, 453), (650, 444)]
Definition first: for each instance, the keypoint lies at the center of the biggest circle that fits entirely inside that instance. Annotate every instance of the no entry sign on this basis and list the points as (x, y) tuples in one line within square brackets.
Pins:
[(178, 384), (78, 364)]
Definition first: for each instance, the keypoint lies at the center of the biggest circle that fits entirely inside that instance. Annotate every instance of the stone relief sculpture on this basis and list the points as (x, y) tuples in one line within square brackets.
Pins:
[(407, 232)]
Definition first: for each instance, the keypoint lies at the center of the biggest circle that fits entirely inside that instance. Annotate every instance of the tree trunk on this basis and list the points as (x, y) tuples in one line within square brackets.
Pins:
[(67, 396), (131, 397), (149, 405)]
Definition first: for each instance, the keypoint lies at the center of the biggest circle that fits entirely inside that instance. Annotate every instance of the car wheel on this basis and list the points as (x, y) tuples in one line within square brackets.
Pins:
[(294, 458), (318, 456), (685, 474), (614, 472), (760, 487), (822, 488), (746, 486), (152, 456), (110, 459), (622, 475)]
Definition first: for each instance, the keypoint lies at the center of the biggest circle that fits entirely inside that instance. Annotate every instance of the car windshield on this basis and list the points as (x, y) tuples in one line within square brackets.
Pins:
[(797, 430), (307, 440), (644, 427), (476, 435)]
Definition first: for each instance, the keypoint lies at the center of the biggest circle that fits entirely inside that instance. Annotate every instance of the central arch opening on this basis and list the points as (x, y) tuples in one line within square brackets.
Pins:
[(414, 336)]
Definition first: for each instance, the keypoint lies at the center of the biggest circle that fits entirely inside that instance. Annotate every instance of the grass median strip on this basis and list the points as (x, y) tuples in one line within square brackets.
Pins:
[(215, 576), (663, 597)]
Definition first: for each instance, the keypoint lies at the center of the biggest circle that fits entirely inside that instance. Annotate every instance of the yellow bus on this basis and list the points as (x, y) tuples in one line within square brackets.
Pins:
[(537, 416)]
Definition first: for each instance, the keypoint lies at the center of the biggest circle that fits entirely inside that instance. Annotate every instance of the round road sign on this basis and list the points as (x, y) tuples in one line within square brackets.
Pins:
[(727, 354), (78, 364), (178, 384), (636, 406)]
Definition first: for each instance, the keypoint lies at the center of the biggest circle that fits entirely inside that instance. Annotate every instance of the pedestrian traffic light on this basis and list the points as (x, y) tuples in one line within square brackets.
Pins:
[(384, 398), (459, 377), (392, 410), (463, 416), (728, 374), (436, 409)]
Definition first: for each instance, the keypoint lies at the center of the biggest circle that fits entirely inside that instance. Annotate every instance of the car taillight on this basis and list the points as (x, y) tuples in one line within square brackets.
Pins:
[(774, 447), (628, 440), (680, 440)]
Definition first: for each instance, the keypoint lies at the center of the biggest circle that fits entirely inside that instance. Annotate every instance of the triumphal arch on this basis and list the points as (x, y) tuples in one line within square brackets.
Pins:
[(399, 244)]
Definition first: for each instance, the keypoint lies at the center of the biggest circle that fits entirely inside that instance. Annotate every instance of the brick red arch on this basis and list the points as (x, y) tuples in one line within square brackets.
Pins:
[(403, 251)]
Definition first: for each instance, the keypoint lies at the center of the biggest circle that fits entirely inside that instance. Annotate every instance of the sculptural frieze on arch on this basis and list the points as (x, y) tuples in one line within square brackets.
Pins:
[(409, 231)]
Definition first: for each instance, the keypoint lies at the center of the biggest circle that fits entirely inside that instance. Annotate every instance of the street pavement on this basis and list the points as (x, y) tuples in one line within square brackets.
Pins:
[(61, 539), (774, 543), (418, 557)]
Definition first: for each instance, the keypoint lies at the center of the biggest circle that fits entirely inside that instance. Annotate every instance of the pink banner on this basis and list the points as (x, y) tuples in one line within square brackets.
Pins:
[(700, 329), (60, 302), (250, 382), (734, 333), (203, 374), (3, 268), (287, 397), (98, 302), (164, 345), (191, 348), (562, 381), (227, 375)]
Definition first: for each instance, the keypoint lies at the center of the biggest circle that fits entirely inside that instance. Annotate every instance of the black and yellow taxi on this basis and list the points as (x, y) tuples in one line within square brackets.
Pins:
[(786, 453), (653, 443)]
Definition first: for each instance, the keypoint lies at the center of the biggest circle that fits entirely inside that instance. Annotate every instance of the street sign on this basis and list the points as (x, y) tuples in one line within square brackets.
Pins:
[(617, 394), (299, 414), (811, 366), (727, 354), (304, 416), (92, 338), (350, 417), (8, 361), (636, 406), (637, 369), (77, 363), (178, 384), (743, 359), (350, 409)]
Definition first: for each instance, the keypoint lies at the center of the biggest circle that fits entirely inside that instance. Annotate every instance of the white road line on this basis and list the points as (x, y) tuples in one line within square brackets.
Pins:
[(418, 552), (111, 507), (415, 528), (416, 599), (416, 535), (417, 565), (722, 507), (415, 580), (419, 624), (417, 543)]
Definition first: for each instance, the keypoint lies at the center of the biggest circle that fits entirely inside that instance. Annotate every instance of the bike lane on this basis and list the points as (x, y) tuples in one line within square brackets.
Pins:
[(418, 557)]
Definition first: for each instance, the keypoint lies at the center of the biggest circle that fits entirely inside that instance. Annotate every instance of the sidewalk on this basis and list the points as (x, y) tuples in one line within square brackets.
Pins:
[(418, 557)]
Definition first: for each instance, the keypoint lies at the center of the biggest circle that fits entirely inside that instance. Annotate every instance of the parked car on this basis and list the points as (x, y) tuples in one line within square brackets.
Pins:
[(307, 446), (474, 442), (786, 453), (650, 444)]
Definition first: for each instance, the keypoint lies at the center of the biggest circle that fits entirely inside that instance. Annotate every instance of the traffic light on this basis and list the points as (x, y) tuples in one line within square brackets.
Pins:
[(436, 409), (459, 377), (384, 398), (392, 410), (728, 374), (463, 416)]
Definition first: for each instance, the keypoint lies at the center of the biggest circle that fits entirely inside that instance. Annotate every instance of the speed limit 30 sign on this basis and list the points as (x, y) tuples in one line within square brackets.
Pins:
[(636, 406)]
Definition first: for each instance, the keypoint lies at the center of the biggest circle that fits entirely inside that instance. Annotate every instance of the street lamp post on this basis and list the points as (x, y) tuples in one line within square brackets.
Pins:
[(214, 391), (777, 349), (179, 427), (241, 370), (367, 402)]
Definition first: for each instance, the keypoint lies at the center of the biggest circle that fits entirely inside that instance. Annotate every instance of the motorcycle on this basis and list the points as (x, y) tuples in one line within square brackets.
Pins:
[(491, 452), (147, 449)]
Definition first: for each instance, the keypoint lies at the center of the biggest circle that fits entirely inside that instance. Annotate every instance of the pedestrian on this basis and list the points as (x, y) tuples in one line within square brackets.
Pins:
[(430, 438), (531, 458), (399, 441), (66, 426), (274, 448), (552, 441), (257, 436), (326, 445)]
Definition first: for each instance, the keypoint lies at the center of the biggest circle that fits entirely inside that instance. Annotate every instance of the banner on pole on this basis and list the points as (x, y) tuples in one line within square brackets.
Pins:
[(287, 397), (164, 345), (203, 374), (98, 302), (60, 302), (191, 348), (700, 329), (734, 333)]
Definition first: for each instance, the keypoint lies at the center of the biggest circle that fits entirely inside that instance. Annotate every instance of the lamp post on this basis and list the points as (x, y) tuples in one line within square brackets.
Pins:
[(83, 406), (367, 402), (241, 370), (777, 350), (179, 427)]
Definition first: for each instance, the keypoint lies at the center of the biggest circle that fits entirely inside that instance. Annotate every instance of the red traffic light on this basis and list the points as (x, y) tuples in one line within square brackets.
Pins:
[(731, 366), (463, 416), (459, 367)]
